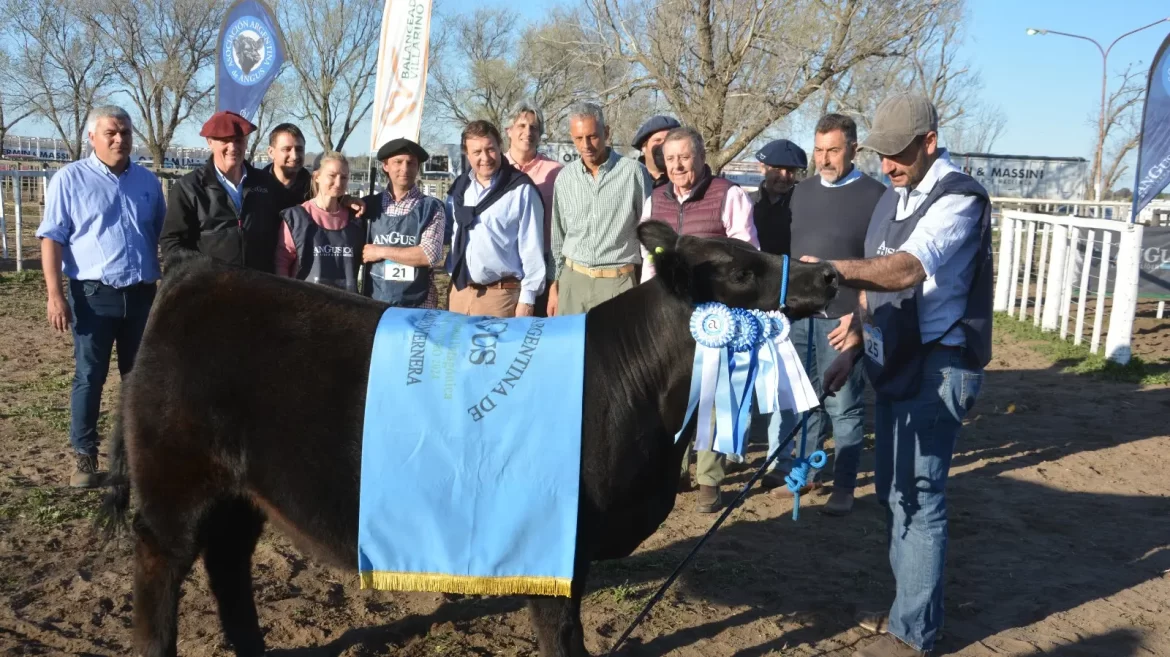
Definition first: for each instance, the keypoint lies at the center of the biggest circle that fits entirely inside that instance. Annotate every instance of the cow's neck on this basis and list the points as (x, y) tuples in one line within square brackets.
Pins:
[(649, 338)]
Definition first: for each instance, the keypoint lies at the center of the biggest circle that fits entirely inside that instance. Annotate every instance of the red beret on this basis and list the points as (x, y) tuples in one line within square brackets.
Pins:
[(226, 125)]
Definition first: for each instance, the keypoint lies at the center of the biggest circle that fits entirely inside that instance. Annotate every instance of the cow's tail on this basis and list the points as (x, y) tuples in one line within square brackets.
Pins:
[(112, 516)]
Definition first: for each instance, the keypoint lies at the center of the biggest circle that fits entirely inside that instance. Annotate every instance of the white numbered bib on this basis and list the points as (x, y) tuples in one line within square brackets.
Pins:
[(874, 347), (397, 272)]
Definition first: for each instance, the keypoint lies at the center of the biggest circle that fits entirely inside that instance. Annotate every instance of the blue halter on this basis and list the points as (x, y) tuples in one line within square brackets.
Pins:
[(784, 284)]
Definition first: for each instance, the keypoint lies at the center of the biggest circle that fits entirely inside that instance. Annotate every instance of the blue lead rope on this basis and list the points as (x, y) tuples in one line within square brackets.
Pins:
[(784, 284), (798, 474)]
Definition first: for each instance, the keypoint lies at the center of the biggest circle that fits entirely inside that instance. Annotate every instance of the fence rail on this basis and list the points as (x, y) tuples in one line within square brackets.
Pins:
[(1069, 247)]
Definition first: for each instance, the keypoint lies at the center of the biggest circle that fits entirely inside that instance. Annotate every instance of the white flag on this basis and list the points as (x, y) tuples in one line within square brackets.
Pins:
[(402, 71)]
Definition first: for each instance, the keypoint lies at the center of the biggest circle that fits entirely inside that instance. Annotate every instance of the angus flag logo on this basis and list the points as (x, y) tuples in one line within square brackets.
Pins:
[(1153, 170), (250, 53)]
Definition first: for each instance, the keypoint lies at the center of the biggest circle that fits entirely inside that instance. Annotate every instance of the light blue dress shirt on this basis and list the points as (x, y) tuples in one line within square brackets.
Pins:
[(233, 191), (506, 240), (108, 224), (945, 241)]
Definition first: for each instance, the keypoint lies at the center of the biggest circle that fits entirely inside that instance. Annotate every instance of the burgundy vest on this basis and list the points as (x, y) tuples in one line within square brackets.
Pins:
[(700, 215)]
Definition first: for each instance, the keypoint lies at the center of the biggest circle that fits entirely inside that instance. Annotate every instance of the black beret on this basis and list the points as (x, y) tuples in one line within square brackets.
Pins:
[(783, 153), (652, 125), (399, 146)]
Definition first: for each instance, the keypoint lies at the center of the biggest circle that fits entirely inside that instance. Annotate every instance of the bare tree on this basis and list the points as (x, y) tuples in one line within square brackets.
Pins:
[(62, 69), (335, 58), (13, 109), (162, 50), (733, 68), (273, 108), (1122, 128)]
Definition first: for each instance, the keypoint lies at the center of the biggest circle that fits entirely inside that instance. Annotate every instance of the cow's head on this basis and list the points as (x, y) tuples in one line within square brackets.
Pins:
[(735, 273)]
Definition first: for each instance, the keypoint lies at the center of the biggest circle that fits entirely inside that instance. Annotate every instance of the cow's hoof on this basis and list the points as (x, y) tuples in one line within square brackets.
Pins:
[(710, 499)]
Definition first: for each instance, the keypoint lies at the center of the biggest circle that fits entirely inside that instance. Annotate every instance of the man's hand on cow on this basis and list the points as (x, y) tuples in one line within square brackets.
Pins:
[(551, 310), (372, 253), (839, 337), (810, 259), (59, 316), (524, 310), (838, 373)]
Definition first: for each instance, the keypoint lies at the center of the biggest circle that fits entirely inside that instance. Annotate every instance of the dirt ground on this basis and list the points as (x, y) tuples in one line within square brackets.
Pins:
[(1059, 544)]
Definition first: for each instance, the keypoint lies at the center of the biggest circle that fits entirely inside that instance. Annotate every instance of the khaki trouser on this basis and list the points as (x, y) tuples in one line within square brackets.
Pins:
[(708, 467), (578, 293), (494, 302)]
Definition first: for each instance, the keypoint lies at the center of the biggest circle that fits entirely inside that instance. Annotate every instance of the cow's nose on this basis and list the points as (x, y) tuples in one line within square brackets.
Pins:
[(831, 278)]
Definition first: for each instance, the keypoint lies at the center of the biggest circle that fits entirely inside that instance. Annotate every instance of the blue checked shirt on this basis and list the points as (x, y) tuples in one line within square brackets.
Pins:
[(108, 224)]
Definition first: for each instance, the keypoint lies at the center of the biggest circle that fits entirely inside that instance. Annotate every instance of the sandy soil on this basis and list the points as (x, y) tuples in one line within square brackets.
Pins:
[(1060, 542)]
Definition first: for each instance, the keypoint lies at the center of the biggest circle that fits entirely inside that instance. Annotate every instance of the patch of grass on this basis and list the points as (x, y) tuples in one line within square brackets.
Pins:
[(56, 417), (49, 507), (26, 277), (1077, 358)]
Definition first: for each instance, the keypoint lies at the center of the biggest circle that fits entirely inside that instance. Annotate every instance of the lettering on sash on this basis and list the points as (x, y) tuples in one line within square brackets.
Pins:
[(483, 344), (418, 347)]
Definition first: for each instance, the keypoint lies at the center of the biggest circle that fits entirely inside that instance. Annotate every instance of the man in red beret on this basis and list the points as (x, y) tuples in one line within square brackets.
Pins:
[(227, 210)]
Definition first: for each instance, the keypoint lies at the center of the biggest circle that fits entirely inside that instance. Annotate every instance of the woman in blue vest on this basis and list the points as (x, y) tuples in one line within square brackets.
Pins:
[(322, 238), (406, 232)]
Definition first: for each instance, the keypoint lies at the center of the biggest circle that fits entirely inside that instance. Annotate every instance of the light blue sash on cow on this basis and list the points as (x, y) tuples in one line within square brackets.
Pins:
[(471, 454)]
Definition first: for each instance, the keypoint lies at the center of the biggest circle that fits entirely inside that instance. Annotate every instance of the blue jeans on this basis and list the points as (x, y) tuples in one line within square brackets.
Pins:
[(914, 443), (102, 316), (845, 410)]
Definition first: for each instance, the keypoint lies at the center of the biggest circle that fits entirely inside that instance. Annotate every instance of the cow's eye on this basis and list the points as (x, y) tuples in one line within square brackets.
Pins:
[(743, 276)]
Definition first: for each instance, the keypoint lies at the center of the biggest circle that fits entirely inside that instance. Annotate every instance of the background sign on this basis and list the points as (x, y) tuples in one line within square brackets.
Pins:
[(249, 54)]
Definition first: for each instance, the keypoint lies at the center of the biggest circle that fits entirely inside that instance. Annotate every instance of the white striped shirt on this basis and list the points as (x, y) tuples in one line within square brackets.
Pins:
[(595, 219)]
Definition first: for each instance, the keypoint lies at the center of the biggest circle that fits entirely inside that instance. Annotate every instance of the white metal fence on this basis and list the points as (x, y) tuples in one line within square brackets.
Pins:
[(1069, 250), (18, 188)]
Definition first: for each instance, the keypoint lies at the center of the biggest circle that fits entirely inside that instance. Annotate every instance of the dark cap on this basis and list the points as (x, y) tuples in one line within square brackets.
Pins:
[(783, 153), (652, 125), (399, 146), (897, 121), (227, 125)]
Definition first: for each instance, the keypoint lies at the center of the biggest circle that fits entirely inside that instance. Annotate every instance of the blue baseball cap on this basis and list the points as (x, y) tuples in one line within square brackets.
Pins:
[(652, 125), (783, 153)]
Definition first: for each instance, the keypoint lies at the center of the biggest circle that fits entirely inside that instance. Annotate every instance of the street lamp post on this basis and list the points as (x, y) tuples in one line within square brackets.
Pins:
[(1100, 157)]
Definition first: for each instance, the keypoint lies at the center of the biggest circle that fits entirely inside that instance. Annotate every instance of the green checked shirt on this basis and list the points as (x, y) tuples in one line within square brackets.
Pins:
[(595, 220)]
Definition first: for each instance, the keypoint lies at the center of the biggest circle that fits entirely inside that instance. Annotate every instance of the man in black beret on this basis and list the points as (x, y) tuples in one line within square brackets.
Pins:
[(650, 137), (406, 231), (782, 163)]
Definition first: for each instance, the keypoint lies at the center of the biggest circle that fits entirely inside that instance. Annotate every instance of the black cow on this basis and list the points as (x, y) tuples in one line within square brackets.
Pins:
[(247, 398)]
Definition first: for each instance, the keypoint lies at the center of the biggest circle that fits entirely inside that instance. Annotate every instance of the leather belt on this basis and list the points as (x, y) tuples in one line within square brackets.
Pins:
[(599, 272), (509, 283)]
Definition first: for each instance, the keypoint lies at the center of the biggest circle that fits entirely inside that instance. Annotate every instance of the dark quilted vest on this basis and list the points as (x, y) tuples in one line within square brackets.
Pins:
[(700, 215)]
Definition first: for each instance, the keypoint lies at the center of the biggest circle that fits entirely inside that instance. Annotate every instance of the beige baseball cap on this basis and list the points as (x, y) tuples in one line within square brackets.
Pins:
[(897, 121)]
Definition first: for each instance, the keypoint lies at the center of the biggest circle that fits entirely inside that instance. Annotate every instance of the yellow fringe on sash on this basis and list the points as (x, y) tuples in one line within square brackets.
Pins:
[(465, 584)]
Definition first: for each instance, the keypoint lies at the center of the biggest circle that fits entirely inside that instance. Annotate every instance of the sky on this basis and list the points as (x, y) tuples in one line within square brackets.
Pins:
[(1048, 86)]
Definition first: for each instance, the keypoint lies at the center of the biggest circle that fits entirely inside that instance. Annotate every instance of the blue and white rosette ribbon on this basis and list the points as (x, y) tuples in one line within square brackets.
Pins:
[(737, 353)]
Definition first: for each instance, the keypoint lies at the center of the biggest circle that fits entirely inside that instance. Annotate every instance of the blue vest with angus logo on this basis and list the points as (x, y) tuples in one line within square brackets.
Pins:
[(328, 257), (391, 282), (894, 315)]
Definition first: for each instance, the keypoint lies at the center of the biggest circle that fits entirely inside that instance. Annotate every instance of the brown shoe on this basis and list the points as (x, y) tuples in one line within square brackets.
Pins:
[(783, 491), (86, 474), (840, 503), (888, 646), (875, 622), (710, 500), (772, 481)]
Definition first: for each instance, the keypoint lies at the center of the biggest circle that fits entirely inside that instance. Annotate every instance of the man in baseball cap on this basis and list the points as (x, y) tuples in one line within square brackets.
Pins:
[(925, 323), (227, 210), (650, 137)]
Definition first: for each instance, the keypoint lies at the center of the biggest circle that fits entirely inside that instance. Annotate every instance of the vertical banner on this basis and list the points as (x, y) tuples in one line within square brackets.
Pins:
[(403, 53), (249, 54), (1153, 168)]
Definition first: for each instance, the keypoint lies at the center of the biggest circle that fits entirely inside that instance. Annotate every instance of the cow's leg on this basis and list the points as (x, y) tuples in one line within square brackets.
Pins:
[(163, 555), (557, 621), (229, 537)]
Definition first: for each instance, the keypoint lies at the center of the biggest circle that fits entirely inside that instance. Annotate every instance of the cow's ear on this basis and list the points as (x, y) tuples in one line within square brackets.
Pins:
[(670, 266)]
